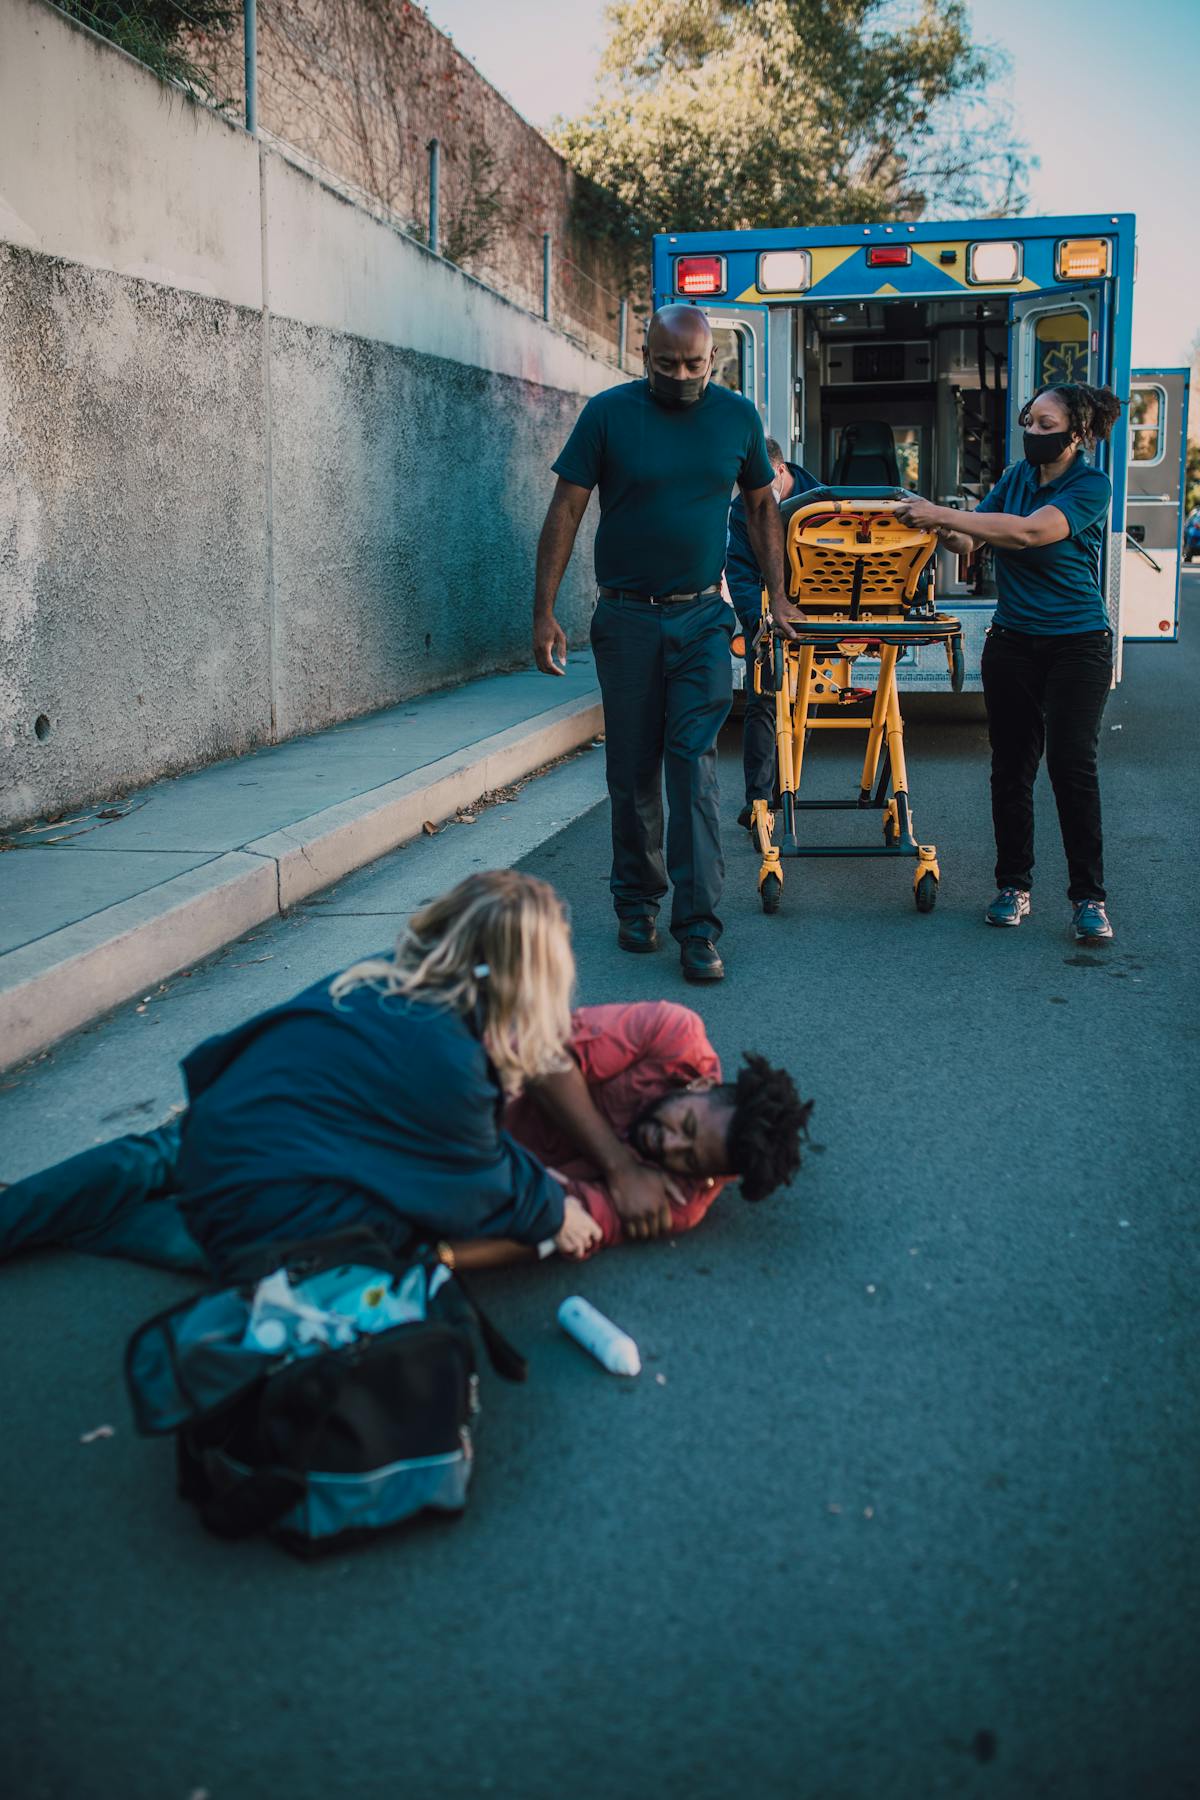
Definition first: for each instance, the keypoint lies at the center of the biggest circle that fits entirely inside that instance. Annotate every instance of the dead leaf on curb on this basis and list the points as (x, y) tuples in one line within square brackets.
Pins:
[(430, 829), (101, 1431)]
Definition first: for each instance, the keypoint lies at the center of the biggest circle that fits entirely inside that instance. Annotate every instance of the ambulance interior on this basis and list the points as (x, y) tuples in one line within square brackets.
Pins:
[(907, 392)]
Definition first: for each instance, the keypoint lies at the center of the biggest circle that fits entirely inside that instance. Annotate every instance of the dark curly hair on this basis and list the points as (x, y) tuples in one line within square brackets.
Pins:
[(769, 1120), (1091, 412)]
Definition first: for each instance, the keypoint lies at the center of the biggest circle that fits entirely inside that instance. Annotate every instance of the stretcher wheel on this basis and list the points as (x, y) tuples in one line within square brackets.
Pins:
[(926, 893), (771, 893)]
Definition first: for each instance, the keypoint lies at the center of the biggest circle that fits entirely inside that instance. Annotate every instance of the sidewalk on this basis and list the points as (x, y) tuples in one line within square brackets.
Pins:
[(119, 896)]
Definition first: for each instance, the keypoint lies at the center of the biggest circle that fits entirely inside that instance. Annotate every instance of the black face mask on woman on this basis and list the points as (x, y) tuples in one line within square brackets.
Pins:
[(675, 392), (1044, 446)]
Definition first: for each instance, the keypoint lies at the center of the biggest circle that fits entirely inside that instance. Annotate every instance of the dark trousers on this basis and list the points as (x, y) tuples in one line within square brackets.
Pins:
[(117, 1199), (121, 1199), (758, 728), (1047, 694), (666, 681)]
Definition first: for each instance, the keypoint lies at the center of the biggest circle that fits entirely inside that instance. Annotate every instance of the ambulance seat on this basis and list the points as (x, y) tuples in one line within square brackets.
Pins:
[(867, 456)]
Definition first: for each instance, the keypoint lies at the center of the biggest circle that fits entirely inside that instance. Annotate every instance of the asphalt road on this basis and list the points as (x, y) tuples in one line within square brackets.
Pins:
[(905, 1501)]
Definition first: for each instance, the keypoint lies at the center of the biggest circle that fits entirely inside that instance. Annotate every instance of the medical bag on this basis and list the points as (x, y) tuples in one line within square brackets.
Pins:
[(323, 1399)]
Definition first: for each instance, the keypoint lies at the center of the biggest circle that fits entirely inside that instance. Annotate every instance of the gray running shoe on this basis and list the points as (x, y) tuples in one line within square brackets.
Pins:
[(1089, 922), (1010, 906)]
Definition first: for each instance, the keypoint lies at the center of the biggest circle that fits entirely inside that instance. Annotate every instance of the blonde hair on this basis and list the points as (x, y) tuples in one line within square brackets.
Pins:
[(499, 940)]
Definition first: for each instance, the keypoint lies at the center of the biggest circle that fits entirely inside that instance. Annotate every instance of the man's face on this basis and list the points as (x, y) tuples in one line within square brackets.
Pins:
[(686, 1132), (681, 353)]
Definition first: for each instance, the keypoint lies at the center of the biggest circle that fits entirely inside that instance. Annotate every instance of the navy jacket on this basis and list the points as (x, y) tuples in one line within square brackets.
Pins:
[(315, 1116), (742, 572)]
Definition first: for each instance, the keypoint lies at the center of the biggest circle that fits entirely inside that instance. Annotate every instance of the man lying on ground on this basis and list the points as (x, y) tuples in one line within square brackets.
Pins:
[(655, 1082), (373, 1099)]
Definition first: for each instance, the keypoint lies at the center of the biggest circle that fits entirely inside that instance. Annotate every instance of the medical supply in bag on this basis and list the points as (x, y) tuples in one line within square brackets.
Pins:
[(280, 1320), (605, 1341), (339, 1429), (333, 1308)]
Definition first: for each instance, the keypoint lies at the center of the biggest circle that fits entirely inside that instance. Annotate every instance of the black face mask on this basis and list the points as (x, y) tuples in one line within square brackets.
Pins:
[(1044, 446), (674, 392)]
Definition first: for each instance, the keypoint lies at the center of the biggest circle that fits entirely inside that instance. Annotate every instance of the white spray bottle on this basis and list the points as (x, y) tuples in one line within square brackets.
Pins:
[(606, 1341)]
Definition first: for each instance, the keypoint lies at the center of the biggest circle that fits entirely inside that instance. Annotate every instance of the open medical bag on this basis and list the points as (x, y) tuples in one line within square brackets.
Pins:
[(317, 1419)]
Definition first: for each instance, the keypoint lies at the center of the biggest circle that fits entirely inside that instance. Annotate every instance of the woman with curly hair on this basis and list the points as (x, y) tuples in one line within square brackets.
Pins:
[(1047, 662)]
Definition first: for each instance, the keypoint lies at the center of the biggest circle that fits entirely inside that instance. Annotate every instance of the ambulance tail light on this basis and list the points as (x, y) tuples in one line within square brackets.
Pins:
[(699, 274), (988, 264), (889, 256), (784, 272), (1081, 259)]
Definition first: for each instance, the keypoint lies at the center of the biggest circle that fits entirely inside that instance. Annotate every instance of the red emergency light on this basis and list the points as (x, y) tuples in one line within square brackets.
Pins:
[(699, 274), (889, 256)]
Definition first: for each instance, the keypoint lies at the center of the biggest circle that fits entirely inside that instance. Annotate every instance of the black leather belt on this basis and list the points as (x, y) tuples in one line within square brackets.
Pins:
[(607, 593)]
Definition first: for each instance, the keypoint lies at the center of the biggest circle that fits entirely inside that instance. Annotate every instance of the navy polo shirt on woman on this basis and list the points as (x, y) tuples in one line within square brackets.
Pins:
[(665, 475), (1053, 589)]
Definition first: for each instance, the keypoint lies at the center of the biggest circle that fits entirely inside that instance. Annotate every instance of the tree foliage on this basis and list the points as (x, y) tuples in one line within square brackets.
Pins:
[(721, 114)]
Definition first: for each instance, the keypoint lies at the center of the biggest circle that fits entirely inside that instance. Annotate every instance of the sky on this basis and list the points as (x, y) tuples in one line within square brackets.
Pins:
[(1105, 93)]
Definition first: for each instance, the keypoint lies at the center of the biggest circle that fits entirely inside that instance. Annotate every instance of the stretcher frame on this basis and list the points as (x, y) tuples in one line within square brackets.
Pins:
[(864, 582)]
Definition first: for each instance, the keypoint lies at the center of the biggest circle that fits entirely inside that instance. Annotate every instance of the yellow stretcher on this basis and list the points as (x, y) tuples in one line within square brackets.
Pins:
[(864, 583)]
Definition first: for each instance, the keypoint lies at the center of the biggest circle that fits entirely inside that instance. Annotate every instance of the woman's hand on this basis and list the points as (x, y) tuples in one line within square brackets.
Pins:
[(579, 1232), (923, 514)]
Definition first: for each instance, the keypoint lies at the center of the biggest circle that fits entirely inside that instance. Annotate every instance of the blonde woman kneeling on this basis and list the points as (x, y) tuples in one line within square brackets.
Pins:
[(377, 1098)]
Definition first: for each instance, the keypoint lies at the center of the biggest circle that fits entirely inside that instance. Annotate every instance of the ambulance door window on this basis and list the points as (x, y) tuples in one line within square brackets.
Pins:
[(1061, 347), (730, 343), (1147, 417)]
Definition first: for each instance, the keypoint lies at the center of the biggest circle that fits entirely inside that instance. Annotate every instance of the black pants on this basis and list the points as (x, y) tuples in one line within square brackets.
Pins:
[(758, 728), (1047, 694), (666, 681)]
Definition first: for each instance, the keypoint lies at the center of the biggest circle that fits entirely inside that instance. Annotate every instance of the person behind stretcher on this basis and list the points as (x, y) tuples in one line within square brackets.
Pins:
[(380, 1098)]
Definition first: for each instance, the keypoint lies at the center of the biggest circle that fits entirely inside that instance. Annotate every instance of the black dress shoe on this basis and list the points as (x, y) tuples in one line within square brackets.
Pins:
[(639, 934), (699, 960), (745, 818)]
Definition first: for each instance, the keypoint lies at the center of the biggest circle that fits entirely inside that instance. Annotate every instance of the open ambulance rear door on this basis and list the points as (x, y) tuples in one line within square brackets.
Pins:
[(1158, 406)]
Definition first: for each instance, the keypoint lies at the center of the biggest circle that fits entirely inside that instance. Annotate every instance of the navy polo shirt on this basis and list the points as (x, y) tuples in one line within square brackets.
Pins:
[(1053, 589), (665, 475)]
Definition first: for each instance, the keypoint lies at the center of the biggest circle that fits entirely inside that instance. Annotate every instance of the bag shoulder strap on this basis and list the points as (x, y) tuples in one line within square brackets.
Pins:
[(302, 1257), (504, 1357)]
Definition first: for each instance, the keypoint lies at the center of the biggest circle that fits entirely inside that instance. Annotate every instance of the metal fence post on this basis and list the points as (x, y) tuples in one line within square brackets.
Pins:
[(250, 46), (623, 332), (546, 271), (435, 182)]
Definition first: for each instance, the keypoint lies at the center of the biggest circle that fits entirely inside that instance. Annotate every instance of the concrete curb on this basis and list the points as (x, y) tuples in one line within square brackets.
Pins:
[(62, 981)]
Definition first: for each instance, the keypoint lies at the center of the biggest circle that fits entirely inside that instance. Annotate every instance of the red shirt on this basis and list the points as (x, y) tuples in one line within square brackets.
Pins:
[(630, 1055)]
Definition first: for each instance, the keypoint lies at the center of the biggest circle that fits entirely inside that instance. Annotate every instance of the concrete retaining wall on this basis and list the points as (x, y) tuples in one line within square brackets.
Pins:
[(265, 462)]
